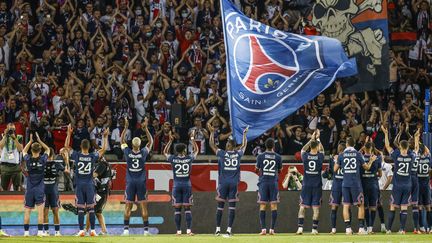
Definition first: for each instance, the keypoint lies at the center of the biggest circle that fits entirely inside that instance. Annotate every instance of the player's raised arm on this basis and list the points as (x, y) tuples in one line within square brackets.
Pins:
[(194, 144), (386, 140), (46, 148), (28, 145), (123, 142), (211, 139), (149, 144), (307, 145), (104, 142), (417, 141), (166, 150), (336, 165), (368, 165), (68, 136), (244, 142), (317, 137), (65, 154)]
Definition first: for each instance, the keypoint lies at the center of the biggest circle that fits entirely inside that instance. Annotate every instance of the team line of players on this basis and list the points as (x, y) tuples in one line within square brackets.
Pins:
[(355, 182)]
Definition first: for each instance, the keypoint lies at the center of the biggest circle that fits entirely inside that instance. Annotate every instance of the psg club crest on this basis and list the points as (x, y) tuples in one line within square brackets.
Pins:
[(266, 65)]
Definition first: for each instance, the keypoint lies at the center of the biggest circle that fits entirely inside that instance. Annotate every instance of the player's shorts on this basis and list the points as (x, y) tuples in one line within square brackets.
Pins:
[(424, 195), (268, 192), (100, 204), (335, 197), (34, 196), (414, 190), (352, 195), (371, 195), (310, 196), (51, 197), (227, 191), (85, 195), (400, 196), (136, 191), (182, 195)]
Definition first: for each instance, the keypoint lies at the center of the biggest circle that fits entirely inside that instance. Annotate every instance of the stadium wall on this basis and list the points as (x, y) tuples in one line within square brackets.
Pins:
[(203, 211)]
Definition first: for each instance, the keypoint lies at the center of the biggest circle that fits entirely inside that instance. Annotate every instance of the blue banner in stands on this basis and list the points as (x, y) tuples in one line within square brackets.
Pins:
[(271, 73)]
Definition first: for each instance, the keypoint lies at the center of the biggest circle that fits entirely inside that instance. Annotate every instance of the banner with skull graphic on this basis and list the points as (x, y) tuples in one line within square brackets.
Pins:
[(361, 26)]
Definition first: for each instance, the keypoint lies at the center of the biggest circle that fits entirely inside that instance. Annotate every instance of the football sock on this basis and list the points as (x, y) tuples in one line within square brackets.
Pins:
[(177, 218), (231, 213), (333, 218), (188, 215), (81, 218), (262, 216), (274, 218), (403, 219), (391, 217), (219, 212)]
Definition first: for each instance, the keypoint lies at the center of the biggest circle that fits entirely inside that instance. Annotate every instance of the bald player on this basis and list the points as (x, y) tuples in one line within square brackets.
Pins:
[(136, 189)]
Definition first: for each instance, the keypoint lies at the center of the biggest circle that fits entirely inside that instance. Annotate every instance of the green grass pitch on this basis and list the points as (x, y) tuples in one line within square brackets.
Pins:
[(323, 238)]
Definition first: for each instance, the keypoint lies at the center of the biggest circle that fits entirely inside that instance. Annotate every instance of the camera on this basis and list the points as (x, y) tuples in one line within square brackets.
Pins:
[(10, 132)]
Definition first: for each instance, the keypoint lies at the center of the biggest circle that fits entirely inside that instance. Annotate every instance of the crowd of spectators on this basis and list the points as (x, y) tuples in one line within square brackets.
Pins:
[(94, 63)]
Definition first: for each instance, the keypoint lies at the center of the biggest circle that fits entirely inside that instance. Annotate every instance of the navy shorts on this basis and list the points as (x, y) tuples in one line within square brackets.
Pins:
[(371, 195), (182, 195), (311, 196), (400, 196), (34, 196), (335, 197), (352, 195), (85, 195), (268, 192), (51, 198), (227, 191), (424, 195), (136, 191), (414, 190)]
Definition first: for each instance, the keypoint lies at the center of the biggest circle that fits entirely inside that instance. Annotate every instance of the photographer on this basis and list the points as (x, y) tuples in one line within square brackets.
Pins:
[(10, 147), (293, 180), (104, 175)]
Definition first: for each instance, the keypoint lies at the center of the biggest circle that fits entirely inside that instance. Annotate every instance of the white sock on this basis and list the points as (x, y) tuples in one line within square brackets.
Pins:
[(229, 229), (40, 232), (217, 228)]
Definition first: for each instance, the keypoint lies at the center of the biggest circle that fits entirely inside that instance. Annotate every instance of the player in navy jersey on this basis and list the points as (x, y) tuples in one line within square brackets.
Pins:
[(424, 202), (370, 185), (414, 182), (312, 183), (229, 177), (84, 163), (350, 161), (33, 168), (181, 165), (136, 189), (268, 165), (336, 189), (401, 191), (52, 201)]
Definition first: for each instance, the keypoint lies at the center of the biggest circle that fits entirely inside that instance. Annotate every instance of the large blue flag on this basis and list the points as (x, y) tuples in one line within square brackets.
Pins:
[(270, 73)]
